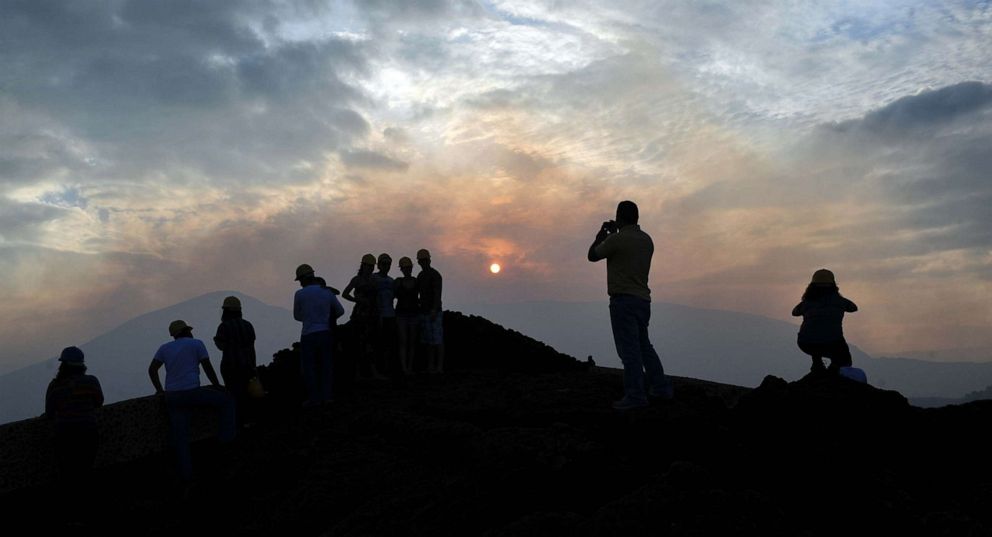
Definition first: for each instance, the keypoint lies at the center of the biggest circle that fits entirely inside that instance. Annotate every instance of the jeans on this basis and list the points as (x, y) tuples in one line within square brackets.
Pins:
[(629, 316), (181, 406), (316, 355)]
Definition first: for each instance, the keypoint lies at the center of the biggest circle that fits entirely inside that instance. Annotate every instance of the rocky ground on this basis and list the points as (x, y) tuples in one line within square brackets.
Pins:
[(529, 446)]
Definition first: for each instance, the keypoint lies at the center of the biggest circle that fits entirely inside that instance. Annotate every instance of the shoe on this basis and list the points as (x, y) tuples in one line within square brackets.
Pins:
[(628, 404)]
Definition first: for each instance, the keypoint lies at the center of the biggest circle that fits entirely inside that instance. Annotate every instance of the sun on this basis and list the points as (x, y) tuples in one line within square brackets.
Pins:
[(495, 268)]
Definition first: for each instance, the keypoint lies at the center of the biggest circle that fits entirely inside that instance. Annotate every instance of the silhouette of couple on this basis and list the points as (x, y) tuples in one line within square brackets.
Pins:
[(627, 250)]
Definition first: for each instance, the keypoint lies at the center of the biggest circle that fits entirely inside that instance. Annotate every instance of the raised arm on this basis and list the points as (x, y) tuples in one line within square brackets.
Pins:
[(593, 254)]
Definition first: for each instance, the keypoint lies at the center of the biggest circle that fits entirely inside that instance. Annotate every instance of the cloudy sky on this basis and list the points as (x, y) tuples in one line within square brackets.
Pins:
[(154, 151)]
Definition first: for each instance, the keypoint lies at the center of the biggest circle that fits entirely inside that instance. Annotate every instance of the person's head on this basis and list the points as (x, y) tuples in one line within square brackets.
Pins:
[(179, 329), (304, 275), (368, 264), (384, 263), (627, 213), (406, 266), (71, 362), (820, 285), (423, 258), (231, 308)]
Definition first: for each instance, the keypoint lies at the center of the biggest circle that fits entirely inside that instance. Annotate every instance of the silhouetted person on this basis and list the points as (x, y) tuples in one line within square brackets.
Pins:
[(821, 334), (315, 306), (183, 357), (385, 338), (406, 291), (628, 251), (365, 315), (236, 339), (432, 320), (70, 402)]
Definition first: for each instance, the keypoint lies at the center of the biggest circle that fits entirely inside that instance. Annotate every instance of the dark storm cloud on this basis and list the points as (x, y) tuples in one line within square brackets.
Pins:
[(923, 113), (183, 87)]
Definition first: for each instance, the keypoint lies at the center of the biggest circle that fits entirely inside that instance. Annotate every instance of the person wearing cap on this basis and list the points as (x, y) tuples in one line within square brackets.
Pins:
[(70, 402), (821, 334), (183, 357), (406, 289), (385, 327), (429, 292), (316, 308), (628, 250), (363, 292), (235, 338)]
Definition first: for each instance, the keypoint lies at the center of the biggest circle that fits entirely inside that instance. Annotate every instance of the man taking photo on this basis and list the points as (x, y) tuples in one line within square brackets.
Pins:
[(627, 251)]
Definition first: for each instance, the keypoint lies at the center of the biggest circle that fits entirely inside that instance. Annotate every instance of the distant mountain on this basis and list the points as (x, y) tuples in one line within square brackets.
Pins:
[(723, 346), (120, 357)]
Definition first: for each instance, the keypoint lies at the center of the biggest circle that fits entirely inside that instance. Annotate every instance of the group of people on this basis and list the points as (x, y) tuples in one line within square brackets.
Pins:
[(390, 317), (628, 250)]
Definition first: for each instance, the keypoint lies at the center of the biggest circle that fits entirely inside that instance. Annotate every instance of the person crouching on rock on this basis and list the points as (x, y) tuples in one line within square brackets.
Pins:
[(821, 335)]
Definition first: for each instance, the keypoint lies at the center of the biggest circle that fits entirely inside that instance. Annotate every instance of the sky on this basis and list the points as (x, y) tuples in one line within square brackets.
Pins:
[(154, 151)]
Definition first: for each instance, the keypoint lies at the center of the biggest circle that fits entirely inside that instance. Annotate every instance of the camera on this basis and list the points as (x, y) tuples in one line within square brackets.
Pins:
[(610, 226)]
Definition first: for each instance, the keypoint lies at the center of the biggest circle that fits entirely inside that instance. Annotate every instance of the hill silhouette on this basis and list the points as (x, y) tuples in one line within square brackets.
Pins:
[(519, 439)]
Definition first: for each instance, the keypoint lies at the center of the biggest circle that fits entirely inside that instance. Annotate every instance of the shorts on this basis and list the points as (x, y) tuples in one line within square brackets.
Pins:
[(431, 329)]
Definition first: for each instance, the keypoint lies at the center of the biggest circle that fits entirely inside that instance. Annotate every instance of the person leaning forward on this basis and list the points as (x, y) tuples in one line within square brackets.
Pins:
[(627, 250), (183, 357)]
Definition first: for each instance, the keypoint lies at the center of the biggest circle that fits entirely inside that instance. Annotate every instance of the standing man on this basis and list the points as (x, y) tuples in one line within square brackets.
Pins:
[(183, 357), (627, 251), (315, 307), (429, 287)]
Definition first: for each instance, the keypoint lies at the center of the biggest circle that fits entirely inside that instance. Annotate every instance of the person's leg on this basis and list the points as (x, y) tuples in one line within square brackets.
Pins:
[(308, 366), (439, 341), (402, 327), (840, 356), (326, 369), (178, 409), (219, 400), (659, 384), (816, 354), (627, 341)]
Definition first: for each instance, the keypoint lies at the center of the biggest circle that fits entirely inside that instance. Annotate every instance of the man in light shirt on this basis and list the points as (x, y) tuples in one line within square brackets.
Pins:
[(628, 251), (317, 308), (183, 357)]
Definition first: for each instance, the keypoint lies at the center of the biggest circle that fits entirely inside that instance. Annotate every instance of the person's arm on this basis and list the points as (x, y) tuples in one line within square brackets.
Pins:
[(97, 392), (596, 253), (798, 310), (153, 374), (849, 306), (437, 293), (337, 310), (297, 307), (49, 404), (346, 294), (211, 374), (221, 336)]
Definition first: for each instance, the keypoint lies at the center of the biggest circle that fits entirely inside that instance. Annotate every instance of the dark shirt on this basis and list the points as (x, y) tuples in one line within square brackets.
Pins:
[(73, 399), (236, 339), (429, 283), (407, 293), (366, 294), (822, 318)]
